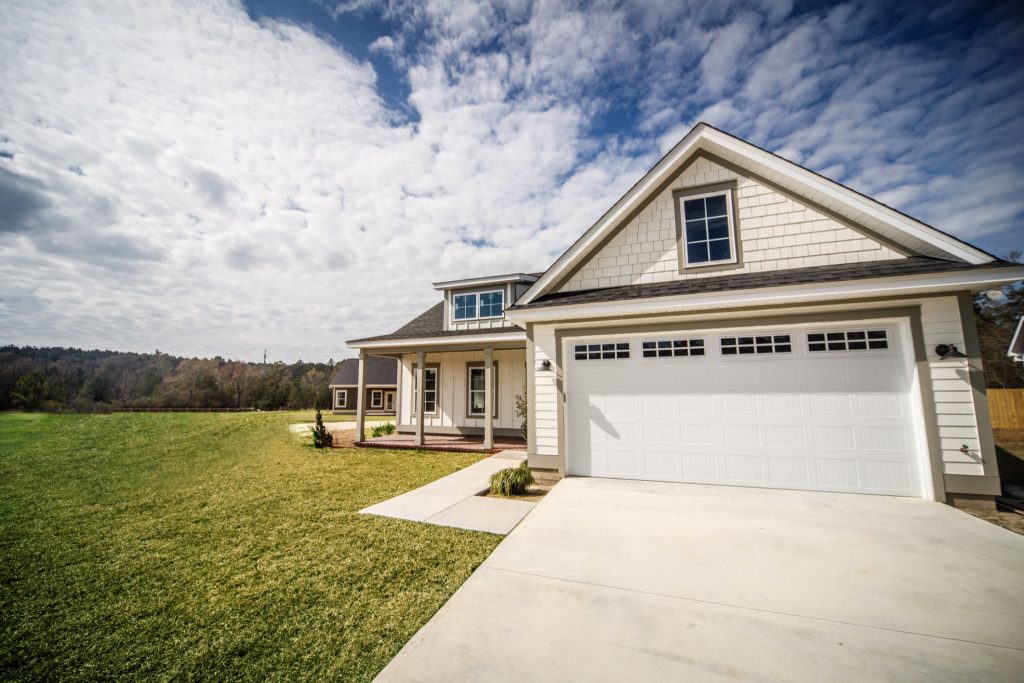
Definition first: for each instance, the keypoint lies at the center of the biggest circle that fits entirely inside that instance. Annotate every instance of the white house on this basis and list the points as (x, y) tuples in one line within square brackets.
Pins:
[(734, 319)]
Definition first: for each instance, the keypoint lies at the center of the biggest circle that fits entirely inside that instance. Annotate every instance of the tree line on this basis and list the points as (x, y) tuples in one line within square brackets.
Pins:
[(67, 379)]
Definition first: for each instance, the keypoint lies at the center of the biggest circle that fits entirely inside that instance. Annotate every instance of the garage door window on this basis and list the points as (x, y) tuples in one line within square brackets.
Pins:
[(848, 340), (668, 348), (775, 343), (601, 351)]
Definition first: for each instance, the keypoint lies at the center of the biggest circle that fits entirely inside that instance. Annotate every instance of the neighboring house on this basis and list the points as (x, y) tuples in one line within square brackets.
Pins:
[(733, 319), (379, 386), (1016, 350)]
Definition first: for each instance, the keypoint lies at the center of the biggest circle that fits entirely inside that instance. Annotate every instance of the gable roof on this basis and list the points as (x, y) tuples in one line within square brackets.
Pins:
[(916, 237), (430, 323), (380, 371), (914, 265)]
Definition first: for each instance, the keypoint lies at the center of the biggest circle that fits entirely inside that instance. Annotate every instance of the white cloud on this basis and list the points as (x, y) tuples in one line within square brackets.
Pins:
[(185, 178)]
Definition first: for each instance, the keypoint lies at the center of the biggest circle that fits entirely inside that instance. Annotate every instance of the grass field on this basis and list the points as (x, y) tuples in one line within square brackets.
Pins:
[(211, 547)]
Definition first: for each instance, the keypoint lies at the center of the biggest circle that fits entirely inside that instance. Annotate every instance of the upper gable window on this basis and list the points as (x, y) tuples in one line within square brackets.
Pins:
[(479, 305), (709, 237)]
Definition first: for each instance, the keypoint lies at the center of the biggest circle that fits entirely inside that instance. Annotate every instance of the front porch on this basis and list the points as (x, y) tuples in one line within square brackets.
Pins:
[(445, 442)]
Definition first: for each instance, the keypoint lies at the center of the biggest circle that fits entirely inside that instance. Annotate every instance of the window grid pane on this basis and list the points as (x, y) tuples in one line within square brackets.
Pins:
[(601, 351), (848, 340), (775, 343), (465, 306), (491, 304), (706, 229), (672, 348)]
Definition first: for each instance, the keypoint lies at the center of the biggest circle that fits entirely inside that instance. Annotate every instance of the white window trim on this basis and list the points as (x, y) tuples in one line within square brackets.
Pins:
[(376, 398), (469, 390), (733, 253), (416, 389), (343, 395), (476, 307)]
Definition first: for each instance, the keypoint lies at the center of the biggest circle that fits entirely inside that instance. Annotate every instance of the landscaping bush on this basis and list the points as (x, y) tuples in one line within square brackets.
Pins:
[(521, 407), (321, 437), (382, 430), (512, 481)]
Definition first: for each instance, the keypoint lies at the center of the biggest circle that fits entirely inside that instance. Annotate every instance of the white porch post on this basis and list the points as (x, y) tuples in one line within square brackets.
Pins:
[(421, 393), (488, 399), (361, 398)]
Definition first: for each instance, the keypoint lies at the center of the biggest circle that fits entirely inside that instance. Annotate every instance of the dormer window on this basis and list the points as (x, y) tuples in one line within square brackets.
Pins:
[(479, 305), (708, 228)]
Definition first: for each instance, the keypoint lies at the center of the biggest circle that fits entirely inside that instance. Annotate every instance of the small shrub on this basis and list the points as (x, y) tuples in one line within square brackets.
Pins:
[(382, 430), (321, 437), (512, 481), (521, 408)]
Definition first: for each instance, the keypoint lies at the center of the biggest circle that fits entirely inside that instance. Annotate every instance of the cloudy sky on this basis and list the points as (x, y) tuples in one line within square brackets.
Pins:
[(214, 177)]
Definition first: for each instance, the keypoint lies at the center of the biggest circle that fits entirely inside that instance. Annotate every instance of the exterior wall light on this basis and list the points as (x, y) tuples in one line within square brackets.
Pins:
[(945, 351), (545, 365)]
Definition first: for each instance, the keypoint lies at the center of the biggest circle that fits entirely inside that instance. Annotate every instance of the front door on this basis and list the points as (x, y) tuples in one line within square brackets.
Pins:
[(389, 402)]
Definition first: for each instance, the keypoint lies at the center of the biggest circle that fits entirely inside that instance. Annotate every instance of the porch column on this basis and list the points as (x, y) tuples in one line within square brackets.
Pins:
[(361, 398), (421, 394), (488, 398)]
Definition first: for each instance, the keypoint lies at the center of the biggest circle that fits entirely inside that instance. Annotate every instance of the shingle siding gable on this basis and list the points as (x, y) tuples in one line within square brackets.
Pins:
[(775, 232)]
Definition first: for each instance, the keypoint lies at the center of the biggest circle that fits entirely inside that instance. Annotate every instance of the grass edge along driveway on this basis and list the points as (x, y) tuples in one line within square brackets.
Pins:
[(211, 546)]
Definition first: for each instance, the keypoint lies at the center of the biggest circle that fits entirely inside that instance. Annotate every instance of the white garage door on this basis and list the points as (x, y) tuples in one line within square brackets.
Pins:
[(822, 408)]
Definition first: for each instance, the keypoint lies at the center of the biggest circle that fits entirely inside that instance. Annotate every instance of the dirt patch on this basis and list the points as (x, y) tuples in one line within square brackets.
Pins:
[(532, 495), (344, 438)]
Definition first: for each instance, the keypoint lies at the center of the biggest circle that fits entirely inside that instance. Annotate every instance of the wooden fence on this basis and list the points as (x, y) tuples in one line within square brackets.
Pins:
[(1007, 408)]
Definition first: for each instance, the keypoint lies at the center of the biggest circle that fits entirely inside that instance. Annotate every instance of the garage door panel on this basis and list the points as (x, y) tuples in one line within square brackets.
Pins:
[(738, 404), (792, 419), (784, 436), (744, 469), (701, 467), (788, 471), (887, 475), (837, 473), (781, 405)]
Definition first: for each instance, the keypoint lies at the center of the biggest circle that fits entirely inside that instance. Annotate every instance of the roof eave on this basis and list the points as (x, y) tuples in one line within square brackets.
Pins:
[(772, 296)]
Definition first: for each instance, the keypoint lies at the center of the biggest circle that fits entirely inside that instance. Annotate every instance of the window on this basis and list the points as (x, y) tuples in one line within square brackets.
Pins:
[(666, 348), (430, 393), (376, 398), (465, 306), (476, 392), (775, 343), (341, 398), (601, 351), (848, 340), (492, 304), (707, 230), (479, 305)]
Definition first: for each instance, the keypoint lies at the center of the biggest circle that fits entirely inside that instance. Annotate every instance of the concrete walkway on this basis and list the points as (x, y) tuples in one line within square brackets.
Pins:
[(455, 501), (612, 580)]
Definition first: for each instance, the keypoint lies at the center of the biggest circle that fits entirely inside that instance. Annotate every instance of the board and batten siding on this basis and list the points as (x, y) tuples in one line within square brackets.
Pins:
[(511, 376), (776, 232), (950, 404)]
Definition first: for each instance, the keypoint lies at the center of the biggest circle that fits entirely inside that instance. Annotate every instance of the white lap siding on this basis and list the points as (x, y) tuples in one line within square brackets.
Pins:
[(952, 393), (453, 388)]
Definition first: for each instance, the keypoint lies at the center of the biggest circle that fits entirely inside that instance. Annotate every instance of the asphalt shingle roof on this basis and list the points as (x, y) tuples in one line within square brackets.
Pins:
[(380, 371), (914, 265), (430, 323)]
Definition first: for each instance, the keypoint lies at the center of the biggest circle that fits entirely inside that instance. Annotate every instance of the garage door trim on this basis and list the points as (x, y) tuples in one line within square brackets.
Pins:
[(900, 319)]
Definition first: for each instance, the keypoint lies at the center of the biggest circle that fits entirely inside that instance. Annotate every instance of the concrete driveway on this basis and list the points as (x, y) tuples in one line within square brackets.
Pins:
[(616, 580)]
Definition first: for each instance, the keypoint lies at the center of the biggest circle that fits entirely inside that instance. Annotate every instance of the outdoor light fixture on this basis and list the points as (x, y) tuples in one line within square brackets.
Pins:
[(545, 365), (945, 351)]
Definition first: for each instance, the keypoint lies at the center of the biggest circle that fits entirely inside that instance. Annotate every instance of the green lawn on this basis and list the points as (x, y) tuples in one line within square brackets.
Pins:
[(211, 547)]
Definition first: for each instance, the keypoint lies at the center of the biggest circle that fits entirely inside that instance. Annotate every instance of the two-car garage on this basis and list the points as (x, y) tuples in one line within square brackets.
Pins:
[(824, 406)]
